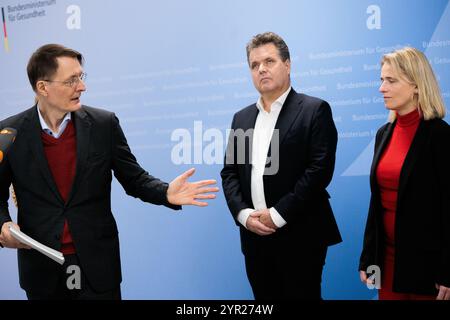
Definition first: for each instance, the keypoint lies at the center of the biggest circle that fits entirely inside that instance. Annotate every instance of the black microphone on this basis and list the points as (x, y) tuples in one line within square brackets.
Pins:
[(7, 137)]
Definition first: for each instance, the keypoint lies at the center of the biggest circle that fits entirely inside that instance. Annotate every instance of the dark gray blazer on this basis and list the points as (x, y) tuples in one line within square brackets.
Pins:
[(307, 148), (101, 149)]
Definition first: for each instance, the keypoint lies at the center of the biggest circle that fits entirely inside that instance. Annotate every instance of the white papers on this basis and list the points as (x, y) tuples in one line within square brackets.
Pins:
[(49, 252)]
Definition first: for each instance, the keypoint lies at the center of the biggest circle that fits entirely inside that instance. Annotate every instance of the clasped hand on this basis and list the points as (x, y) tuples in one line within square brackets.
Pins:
[(260, 222)]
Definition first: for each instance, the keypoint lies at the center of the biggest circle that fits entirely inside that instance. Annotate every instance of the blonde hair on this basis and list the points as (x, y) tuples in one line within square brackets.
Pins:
[(412, 65)]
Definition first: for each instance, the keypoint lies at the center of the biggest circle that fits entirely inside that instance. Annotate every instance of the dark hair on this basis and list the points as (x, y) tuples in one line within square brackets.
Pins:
[(43, 63), (266, 38)]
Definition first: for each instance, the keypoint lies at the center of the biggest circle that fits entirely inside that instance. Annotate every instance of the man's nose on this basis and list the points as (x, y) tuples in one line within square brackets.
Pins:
[(262, 68), (81, 86)]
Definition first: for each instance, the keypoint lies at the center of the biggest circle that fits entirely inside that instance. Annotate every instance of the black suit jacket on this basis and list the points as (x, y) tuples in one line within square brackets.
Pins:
[(101, 147), (307, 147), (422, 224)]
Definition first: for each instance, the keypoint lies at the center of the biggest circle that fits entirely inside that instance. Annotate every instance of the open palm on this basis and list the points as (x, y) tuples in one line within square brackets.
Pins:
[(182, 192)]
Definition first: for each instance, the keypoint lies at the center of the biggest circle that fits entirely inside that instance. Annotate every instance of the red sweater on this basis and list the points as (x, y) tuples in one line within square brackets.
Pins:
[(390, 166), (61, 156)]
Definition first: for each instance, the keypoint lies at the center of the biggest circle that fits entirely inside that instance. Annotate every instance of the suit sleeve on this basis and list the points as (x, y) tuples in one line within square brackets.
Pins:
[(441, 150), (320, 166), (5, 182), (231, 183), (134, 179)]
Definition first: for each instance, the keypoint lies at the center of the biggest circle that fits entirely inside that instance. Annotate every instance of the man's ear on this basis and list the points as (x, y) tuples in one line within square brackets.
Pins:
[(41, 88), (287, 63)]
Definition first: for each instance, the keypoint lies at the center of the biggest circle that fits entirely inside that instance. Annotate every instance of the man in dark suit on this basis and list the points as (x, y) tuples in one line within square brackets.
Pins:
[(60, 166), (274, 182)]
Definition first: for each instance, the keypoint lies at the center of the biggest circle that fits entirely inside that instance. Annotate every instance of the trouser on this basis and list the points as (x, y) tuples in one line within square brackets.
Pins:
[(297, 275), (71, 288)]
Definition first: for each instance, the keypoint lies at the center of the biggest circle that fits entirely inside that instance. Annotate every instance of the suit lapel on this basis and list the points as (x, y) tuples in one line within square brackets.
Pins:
[(250, 119), (249, 123), (33, 133), (385, 138), (411, 157), (289, 112), (83, 133)]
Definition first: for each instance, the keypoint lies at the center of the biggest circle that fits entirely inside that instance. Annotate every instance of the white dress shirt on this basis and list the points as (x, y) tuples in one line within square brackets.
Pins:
[(262, 135), (61, 128)]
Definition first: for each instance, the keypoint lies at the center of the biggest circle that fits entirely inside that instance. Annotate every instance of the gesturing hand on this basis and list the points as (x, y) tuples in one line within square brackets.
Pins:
[(182, 192)]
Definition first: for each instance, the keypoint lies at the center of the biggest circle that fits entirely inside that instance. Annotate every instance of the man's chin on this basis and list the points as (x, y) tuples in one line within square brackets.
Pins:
[(267, 91), (265, 88), (75, 106)]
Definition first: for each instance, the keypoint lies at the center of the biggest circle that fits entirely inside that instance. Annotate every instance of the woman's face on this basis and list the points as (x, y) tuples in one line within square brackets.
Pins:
[(398, 94)]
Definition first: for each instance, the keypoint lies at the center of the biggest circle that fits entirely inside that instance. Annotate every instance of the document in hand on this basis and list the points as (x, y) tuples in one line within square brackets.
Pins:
[(49, 252)]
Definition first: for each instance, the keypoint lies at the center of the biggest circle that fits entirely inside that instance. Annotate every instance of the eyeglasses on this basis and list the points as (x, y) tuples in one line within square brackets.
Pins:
[(72, 82)]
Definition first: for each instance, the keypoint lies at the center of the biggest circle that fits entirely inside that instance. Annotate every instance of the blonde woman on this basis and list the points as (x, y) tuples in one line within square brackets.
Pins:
[(407, 233)]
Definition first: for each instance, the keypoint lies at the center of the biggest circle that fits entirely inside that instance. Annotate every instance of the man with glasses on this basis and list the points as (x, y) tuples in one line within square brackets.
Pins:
[(60, 166)]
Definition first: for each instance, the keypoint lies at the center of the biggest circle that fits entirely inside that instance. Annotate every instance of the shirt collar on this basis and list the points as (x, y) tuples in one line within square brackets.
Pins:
[(277, 104), (47, 129)]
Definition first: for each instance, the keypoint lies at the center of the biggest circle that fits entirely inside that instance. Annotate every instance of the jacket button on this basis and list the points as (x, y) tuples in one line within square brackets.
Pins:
[(57, 237)]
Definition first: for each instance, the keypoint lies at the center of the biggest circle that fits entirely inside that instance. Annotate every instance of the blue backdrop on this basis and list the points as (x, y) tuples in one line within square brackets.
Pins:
[(163, 66)]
